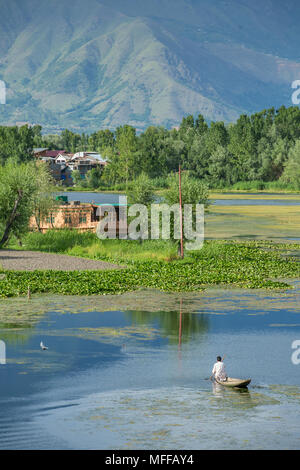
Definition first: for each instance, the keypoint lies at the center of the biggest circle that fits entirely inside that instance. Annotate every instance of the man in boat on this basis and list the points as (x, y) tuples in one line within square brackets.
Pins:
[(219, 372)]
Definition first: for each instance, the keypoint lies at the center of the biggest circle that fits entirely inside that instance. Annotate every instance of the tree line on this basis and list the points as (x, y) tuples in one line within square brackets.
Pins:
[(263, 147)]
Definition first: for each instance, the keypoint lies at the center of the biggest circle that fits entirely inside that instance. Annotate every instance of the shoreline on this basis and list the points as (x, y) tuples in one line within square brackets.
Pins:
[(152, 299), (162, 190)]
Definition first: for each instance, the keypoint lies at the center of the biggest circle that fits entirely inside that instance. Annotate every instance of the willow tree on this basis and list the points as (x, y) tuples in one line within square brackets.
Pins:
[(42, 199), (22, 189), (142, 194)]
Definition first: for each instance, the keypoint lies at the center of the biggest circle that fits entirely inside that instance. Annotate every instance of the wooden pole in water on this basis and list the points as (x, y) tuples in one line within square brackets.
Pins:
[(180, 325), (181, 221)]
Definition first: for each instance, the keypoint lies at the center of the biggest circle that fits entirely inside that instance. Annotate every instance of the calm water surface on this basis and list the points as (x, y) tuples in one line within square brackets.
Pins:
[(136, 377), (97, 198), (110, 198)]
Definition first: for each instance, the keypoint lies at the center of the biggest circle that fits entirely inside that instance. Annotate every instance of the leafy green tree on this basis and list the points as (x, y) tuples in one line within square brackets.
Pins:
[(93, 177), (37, 136), (221, 168), (111, 173), (126, 143), (72, 142), (242, 145), (186, 135), (101, 140), (19, 190), (53, 141), (291, 172), (153, 151), (43, 201), (142, 191), (203, 146), (198, 158), (76, 177), (193, 191), (280, 153), (287, 121), (16, 142), (201, 126)]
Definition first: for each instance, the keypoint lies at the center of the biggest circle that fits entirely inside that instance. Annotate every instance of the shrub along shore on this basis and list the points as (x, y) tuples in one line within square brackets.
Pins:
[(152, 264)]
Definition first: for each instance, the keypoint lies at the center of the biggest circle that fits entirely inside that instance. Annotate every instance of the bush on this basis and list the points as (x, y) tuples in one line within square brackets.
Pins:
[(249, 186), (58, 241)]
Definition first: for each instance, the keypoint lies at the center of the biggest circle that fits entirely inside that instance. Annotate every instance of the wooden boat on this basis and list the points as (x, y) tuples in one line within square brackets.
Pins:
[(231, 382)]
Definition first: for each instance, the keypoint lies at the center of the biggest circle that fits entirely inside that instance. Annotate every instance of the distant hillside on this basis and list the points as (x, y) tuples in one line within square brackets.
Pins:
[(102, 63)]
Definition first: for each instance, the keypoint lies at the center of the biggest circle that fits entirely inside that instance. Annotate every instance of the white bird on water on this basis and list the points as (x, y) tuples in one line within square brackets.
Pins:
[(43, 346)]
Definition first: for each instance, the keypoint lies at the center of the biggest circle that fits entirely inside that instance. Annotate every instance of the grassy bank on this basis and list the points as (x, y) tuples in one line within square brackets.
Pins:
[(74, 243), (248, 264)]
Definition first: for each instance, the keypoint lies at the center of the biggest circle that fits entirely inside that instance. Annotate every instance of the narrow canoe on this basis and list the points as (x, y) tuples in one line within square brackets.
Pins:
[(230, 382)]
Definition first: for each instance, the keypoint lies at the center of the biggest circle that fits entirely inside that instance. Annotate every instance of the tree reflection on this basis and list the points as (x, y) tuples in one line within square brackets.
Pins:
[(16, 333), (180, 327)]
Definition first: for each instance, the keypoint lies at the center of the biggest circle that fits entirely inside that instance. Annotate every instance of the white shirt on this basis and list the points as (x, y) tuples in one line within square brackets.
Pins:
[(219, 371)]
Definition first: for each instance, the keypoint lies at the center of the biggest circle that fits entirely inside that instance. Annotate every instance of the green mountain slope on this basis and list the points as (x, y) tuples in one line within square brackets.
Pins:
[(99, 63)]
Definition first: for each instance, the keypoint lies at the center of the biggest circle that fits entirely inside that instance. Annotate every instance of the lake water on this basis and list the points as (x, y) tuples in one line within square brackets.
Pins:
[(90, 197), (111, 198), (131, 371)]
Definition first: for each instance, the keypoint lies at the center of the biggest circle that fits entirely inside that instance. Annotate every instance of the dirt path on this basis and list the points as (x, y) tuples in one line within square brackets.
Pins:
[(31, 260)]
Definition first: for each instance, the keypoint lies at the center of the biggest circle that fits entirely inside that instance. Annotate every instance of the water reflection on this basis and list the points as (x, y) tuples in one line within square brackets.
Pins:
[(178, 326), (137, 378), (241, 396)]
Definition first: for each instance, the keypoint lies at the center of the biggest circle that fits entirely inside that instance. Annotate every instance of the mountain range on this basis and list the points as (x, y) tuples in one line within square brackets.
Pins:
[(97, 64)]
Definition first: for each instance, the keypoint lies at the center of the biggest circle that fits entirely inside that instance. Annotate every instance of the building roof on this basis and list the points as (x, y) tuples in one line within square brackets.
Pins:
[(89, 159), (66, 156), (54, 153), (39, 150), (100, 158), (90, 155), (49, 153)]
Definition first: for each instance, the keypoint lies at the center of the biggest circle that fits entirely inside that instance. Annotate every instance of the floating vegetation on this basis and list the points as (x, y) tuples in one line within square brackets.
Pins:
[(271, 222), (290, 391), (245, 264), (138, 332)]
